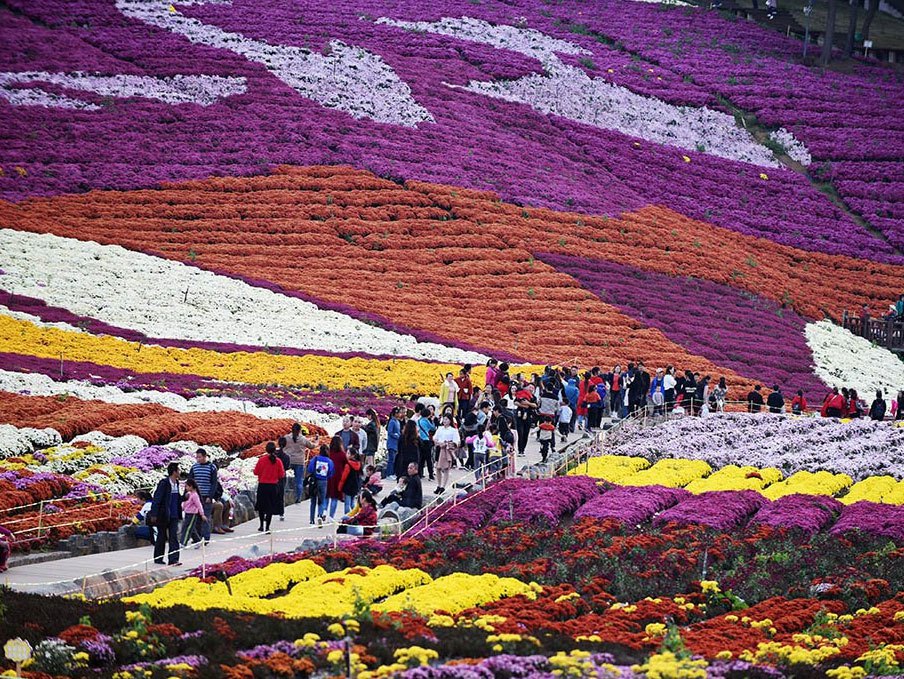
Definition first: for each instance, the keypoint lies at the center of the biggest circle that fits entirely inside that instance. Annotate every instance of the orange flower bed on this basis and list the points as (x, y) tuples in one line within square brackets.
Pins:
[(457, 262), (154, 423)]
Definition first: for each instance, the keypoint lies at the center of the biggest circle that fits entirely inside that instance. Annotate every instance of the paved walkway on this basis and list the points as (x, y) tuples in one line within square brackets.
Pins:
[(82, 574)]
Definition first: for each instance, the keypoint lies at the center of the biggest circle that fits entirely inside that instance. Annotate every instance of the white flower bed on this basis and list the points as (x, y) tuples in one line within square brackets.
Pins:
[(15, 441), (110, 283), (42, 385), (178, 89), (345, 77), (569, 92), (858, 448), (845, 360)]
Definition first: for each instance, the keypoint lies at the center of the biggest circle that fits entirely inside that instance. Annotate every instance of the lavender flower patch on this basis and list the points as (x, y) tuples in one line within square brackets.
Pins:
[(859, 448), (407, 118), (751, 335), (869, 517), (546, 501), (632, 506), (720, 509), (808, 513)]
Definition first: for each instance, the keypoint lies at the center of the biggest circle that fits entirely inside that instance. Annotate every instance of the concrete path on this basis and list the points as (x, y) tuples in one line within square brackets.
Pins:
[(118, 572)]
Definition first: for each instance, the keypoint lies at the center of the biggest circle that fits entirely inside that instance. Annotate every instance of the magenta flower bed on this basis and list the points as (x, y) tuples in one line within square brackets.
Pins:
[(720, 509), (869, 517), (753, 336), (808, 513), (861, 131), (545, 501), (632, 505), (524, 155)]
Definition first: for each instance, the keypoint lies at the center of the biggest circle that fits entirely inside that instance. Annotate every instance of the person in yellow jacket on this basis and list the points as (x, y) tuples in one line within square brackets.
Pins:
[(448, 394)]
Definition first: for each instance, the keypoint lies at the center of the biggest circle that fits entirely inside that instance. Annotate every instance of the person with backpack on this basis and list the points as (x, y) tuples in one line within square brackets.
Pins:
[(878, 407), (350, 480), (319, 471)]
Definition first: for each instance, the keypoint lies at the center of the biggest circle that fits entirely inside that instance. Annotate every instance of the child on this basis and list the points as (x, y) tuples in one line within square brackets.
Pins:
[(547, 436), (193, 512), (372, 480), (481, 442), (143, 531), (495, 451), (565, 420)]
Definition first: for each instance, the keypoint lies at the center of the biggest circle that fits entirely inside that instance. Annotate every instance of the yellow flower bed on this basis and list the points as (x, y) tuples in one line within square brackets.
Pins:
[(873, 488), (320, 595), (895, 496), (809, 483), (612, 468), (454, 593), (733, 477), (672, 473), (396, 376)]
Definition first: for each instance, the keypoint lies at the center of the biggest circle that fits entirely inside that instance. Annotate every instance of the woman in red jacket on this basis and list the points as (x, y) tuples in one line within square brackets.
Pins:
[(583, 389), (268, 470), (333, 486)]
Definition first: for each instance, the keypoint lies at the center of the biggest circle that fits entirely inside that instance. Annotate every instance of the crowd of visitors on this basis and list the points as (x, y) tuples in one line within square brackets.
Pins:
[(480, 428)]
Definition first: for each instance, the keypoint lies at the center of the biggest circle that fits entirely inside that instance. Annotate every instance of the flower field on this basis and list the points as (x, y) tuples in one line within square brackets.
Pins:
[(220, 217), (566, 589)]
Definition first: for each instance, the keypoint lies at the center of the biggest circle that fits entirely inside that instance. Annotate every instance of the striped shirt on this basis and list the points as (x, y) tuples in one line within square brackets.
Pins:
[(205, 476)]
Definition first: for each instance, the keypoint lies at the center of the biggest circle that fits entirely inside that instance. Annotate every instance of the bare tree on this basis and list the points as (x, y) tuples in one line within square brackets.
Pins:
[(829, 36)]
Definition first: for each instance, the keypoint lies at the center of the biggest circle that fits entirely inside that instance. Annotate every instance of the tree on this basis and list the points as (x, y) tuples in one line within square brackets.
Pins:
[(868, 19), (852, 27), (829, 36)]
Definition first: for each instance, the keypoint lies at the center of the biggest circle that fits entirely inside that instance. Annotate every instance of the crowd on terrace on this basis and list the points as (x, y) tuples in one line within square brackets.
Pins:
[(478, 427)]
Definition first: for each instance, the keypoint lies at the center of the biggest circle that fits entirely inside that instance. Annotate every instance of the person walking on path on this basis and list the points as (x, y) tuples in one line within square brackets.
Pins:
[(408, 448), (393, 434), (372, 431), (281, 490), (204, 473), (524, 416), (193, 515), (268, 470), (320, 469), (166, 512), (425, 429), (334, 488), (297, 446), (448, 440)]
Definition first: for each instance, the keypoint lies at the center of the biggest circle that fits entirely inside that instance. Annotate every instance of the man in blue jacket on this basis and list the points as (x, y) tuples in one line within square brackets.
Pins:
[(166, 510)]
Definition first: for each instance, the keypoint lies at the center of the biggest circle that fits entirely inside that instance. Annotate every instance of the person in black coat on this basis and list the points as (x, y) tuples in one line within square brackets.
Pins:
[(877, 409), (166, 512), (775, 400), (414, 495)]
